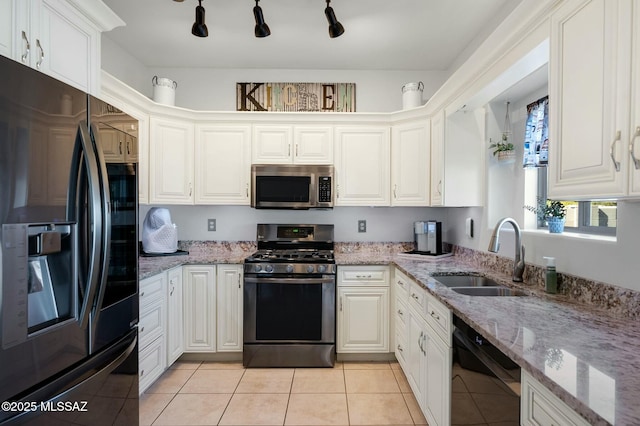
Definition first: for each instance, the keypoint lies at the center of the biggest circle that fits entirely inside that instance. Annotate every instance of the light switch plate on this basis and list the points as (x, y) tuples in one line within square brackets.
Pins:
[(469, 227), (211, 225)]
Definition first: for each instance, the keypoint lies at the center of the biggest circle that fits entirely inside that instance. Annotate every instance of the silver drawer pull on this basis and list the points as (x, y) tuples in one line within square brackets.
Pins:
[(415, 296), (142, 330), (434, 315), (400, 312), (401, 283), (141, 373), (142, 294), (363, 276), (400, 348)]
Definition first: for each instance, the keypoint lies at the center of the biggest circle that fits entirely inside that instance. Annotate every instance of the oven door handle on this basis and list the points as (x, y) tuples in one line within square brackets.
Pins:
[(302, 280)]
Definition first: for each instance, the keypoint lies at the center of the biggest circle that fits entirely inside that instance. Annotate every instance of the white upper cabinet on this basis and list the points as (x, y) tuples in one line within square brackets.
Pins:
[(222, 164), (171, 161), (634, 128), (457, 158), (58, 37), (590, 76), (362, 161), (285, 144), (410, 163)]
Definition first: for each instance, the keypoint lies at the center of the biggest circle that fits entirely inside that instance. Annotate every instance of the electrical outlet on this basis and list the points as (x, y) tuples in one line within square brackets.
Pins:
[(211, 225), (362, 226)]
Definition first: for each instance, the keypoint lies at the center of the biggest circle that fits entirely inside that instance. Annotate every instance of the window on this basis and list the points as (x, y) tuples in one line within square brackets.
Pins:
[(585, 217)]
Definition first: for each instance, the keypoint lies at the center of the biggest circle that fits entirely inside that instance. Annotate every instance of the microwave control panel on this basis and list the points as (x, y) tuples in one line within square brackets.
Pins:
[(324, 189)]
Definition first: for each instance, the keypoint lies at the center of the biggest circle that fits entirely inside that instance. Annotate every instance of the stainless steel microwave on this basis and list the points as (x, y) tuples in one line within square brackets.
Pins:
[(291, 186)]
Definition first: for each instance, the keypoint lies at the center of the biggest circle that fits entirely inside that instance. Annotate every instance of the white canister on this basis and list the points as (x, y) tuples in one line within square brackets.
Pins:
[(164, 90), (412, 95)]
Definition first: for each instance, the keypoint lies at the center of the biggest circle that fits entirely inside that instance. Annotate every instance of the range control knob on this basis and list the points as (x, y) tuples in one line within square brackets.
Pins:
[(268, 268), (258, 268), (322, 269), (289, 269), (310, 269)]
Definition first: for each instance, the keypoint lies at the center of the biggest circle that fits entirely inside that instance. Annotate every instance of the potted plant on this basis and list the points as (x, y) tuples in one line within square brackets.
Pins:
[(553, 212), (503, 150)]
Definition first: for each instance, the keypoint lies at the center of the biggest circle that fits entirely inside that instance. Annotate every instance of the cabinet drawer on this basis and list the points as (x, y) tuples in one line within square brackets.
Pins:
[(417, 297), (152, 288), (539, 407), (401, 313), (439, 318), (363, 275), (401, 347), (401, 284), (151, 324), (151, 363)]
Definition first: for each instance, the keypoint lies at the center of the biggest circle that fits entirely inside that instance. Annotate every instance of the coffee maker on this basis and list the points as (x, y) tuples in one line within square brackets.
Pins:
[(428, 237)]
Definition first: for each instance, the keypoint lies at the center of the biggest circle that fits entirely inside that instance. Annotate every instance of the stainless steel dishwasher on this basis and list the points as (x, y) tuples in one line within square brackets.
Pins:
[(485, 386)]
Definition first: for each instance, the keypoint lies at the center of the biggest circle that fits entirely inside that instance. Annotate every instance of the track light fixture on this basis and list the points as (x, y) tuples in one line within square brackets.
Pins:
[(262, 29), (335, 28), (199, 28)]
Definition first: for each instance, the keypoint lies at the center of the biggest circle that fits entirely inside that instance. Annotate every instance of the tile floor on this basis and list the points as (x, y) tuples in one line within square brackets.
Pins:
[(209, 393)]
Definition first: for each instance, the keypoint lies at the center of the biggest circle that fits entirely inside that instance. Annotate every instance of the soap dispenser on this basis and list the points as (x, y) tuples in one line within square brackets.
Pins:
[(551, 280)]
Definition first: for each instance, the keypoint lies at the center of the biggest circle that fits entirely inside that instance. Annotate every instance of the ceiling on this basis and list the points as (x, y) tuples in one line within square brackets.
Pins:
[(379, 34)]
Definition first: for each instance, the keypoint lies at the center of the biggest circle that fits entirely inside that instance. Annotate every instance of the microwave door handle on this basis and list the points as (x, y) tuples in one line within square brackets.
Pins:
[(83, 156), (105, 236)]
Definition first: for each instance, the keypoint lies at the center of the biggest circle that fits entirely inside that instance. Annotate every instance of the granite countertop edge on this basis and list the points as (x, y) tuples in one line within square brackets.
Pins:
[(547, 316)]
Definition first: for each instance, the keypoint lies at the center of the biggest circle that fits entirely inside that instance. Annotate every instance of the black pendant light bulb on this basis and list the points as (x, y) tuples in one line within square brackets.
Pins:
[(335, 28), (262, 29), (199, 28)]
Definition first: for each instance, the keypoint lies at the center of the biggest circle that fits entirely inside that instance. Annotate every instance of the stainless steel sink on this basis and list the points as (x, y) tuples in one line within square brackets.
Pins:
[(489, 291), (465, 281)]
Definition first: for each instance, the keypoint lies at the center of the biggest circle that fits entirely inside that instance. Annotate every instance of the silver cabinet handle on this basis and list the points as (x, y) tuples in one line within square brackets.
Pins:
[(337, 191), (401, 283), (636, 161), (395, 191), (128, 148), (612, 153), (142, 330), (363, 276), (340, 303), (25, 55), (415, 296), (120, 147), (434, 315), (141, 373), (172, 290), (39, 46), (400, 348), (400, 312), (420, 341), (297, 150), (424, 340), (289, 154), (142, 294), (190, 189), (247, 189)]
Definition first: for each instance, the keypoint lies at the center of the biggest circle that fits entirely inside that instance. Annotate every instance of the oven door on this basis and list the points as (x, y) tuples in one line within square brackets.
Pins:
[(279, 310)]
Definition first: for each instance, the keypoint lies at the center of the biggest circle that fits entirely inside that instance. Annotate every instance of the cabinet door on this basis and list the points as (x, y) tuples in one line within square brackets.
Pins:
[(437, 381), (271, 144), (223, 164), (416, 358), (199, 308), (171, 162), (586, 149), (229, 303), (113, 143), (362, 166), (66, 46), (7, 32), (313, 144), (437, 159), (634, 134), (175, 321), (363, 319), (410, 157)]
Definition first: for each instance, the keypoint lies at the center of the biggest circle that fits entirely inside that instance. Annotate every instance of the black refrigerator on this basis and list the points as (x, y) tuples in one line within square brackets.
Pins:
[(69, 260)]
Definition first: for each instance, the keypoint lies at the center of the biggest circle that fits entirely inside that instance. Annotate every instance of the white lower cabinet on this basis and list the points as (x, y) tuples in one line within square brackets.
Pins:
[(199, 308), (229, 307), (539, 407), (152, 358), (175, 328), (423, 348), (363, 309)]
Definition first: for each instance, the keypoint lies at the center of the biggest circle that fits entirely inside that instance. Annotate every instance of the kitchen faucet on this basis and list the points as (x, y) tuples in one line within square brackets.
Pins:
[(494, 246)]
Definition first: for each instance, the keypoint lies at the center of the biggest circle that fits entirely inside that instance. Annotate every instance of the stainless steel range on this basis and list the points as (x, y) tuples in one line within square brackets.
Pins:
[(290, 298)]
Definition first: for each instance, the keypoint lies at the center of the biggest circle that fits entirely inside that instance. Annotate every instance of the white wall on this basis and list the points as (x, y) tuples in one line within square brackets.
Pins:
[(238, 223), (214, 89)]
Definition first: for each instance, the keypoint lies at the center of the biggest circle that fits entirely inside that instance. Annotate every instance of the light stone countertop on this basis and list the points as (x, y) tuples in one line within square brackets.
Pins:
[(584, 355)]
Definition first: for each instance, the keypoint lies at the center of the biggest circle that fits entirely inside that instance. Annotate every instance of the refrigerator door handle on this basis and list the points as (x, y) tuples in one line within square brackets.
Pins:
[(105, 241), (84, 157)]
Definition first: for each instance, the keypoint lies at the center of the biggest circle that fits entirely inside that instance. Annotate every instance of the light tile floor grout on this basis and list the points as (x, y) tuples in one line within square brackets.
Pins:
[(371, 386)]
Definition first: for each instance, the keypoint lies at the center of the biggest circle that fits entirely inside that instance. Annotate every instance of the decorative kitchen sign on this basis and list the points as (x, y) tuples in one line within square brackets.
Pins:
[(308, 97)]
